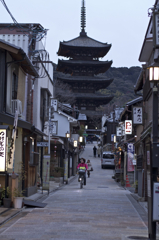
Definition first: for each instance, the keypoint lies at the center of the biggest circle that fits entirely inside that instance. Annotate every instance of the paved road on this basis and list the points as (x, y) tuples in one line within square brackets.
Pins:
[(102, 210)]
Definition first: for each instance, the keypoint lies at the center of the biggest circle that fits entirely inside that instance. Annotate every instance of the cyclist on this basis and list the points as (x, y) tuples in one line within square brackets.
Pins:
[(83, 166)]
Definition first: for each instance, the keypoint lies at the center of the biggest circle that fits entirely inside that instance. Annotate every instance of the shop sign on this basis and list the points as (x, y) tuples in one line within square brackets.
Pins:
[(112, 137), (155, 201), (53, 127), (54, 104), (42, 144), (2, 150), (118, 131), (130, 149), (134, 162), (148, 157), (156, 29), (46, 172), (128, 127), (137, 115)]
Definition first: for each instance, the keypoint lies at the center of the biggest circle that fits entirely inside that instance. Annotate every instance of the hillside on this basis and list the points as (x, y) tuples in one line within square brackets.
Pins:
[(123, 85)]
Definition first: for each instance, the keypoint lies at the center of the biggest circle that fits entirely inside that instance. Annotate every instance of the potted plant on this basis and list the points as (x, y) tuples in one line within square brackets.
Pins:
[(18, 192), (18, 198), (6, 196)]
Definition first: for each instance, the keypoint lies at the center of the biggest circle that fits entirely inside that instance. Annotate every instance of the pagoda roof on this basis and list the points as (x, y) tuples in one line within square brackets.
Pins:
[(94, 96), (66, 66), (83, 42), (85, 78), (99, 99)]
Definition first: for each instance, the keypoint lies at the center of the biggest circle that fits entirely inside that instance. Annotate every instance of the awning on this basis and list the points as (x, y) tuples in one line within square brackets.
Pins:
[(20, 56), (9, 119)]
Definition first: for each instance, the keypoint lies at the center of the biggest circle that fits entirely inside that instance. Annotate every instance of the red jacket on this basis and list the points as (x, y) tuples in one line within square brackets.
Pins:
[(82, 165)]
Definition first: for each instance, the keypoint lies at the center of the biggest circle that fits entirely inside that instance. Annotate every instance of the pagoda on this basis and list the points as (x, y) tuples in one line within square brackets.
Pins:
[(83, 72)]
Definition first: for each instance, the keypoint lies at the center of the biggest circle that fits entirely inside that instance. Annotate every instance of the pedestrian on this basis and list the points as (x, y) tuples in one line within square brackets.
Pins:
[(89, 167), (84, 166), (94, 151), (99, 151)]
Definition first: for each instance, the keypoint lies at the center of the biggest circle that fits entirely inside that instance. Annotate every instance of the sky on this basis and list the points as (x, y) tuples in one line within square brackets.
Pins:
[(122, 23)]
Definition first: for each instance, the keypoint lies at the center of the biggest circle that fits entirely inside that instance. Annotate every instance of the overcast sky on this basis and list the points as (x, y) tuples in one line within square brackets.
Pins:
[(122, 23)]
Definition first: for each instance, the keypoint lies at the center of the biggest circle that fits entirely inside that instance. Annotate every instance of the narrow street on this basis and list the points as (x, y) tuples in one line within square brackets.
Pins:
[(101, 210)]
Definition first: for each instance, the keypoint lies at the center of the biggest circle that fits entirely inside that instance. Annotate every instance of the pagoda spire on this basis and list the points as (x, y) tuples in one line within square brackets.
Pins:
[(83, 19)]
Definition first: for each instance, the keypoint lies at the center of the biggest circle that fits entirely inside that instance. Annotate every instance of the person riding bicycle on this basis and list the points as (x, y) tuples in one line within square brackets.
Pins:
[(83, 166)]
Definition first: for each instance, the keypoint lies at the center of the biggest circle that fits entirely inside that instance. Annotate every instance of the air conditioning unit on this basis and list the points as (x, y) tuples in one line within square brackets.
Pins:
[(16, 105)]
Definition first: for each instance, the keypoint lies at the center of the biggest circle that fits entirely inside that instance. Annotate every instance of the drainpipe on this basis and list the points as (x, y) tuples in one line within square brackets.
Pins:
[(32, 100), (25, 101)]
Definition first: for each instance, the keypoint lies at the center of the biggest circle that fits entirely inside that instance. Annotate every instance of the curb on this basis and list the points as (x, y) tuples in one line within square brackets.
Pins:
[(14, 215)]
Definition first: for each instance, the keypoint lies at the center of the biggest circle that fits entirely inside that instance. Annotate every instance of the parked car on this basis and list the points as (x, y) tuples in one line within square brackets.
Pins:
[(107, 159)]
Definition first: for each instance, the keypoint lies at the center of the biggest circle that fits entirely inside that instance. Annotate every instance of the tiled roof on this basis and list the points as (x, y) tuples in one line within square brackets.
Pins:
[(85, 41)]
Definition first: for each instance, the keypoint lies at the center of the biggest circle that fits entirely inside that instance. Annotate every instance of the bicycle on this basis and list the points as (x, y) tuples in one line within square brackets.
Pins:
[(81, 173)]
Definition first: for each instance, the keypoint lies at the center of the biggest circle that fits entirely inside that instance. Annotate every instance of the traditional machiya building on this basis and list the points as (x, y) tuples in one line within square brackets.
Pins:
[(83, 72)]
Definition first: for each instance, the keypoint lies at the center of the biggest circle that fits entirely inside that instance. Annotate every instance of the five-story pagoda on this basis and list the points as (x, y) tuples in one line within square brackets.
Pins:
[(83, 72)]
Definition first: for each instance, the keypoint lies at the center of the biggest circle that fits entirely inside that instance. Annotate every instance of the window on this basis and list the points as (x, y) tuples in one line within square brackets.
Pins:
[(108, 156), (14, 86)]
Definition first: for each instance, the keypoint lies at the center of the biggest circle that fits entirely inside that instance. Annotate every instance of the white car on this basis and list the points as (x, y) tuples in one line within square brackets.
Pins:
[(107, 159)]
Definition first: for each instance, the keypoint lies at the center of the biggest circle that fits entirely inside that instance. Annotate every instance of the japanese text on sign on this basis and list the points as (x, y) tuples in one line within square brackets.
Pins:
[(54, 104), (53, 128), (137, 115), (157, 29), (2, 149), (128, 127)]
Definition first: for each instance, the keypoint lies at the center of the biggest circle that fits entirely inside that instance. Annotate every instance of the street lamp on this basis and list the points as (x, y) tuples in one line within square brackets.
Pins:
[(67, 135), (154, 74), (80, 139), (75, 143), (86, 127), (114, 138), (67, 161)]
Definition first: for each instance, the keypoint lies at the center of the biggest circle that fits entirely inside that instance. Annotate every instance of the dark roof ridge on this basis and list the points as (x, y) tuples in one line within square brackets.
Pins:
[(83, 38)]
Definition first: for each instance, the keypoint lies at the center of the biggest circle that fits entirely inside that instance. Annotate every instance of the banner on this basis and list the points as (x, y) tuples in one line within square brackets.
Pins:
[(2, 150), (130, 166), (46, 172)]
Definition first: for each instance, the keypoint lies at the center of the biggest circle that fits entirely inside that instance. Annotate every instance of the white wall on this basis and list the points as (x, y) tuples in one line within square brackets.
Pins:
[(63, 124), (38, 85), (19, 40)]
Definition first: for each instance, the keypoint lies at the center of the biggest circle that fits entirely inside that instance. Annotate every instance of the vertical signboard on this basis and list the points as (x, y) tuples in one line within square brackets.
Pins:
[(66, 170), (112, 137), (148, 157), (128, 127), (2, 150), (54, 104), (130, 166), (118, 131), (53, 127), (156, 201), (46, 172), (156, 29), (137, 115)]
